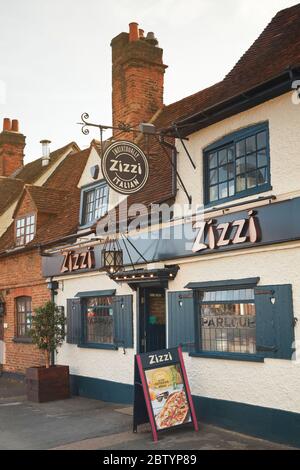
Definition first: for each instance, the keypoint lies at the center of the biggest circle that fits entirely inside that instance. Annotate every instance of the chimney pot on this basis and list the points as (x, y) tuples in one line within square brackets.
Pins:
[(141, 33), (133, 32), (6, 124), (152, 39), (15, 125), (46, 151)]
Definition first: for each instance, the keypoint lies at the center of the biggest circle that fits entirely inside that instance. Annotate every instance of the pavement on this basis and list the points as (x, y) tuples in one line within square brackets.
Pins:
[(84, 424)]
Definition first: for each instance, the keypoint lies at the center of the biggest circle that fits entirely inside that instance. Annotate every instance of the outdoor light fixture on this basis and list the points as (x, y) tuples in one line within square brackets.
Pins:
[(147, 128), (94, 170), (112, 256), (52, 285)]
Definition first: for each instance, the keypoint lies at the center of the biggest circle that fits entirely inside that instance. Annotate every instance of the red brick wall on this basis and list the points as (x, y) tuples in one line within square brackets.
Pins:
[(137, 81), (20, 275)]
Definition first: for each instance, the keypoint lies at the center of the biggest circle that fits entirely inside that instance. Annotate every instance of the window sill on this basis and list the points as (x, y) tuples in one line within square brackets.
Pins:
[(112, 347), (22, 340), (228, 356)]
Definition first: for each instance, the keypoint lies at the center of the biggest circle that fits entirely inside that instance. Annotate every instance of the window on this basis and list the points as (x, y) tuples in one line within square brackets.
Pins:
[(25, 229), (227, 321), (24, 316), (238, 165), (99, 320), (94, 203)]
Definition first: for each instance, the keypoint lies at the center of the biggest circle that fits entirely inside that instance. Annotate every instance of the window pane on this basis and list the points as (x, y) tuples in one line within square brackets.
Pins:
[(240, 183), (228, 327), (99, 320), (251, 144), (251, 162), (213, 193), (213, 160), (251, 179), (262, 140), (223, 190), (261, 158), (213, 176), (230, 154), (96, 203), (24, 316), (240, 148), (262, 176), (234, 167), (223, 173), (240, 165), (231, 187), (222, 156)]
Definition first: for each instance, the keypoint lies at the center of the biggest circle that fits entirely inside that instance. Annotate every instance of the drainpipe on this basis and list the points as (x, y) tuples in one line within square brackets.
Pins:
[(52, 286)]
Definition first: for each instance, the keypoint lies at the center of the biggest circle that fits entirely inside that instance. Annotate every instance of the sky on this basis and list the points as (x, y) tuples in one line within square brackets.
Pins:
[(56, 57)]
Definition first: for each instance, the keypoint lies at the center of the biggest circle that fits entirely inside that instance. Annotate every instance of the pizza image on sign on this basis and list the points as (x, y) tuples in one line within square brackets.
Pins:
[(125, 167), (168, 396)]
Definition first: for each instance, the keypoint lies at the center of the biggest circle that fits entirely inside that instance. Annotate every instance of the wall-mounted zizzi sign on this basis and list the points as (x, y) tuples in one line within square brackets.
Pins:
[(125, 167), (75, 261), (212, 235)]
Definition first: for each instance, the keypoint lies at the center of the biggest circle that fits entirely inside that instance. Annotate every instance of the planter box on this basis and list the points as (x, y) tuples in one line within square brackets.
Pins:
[(47, 384)]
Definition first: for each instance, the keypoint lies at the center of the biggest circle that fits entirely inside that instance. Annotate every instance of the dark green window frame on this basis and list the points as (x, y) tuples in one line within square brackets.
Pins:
[(237, 165), (98, 193), (105, 306)]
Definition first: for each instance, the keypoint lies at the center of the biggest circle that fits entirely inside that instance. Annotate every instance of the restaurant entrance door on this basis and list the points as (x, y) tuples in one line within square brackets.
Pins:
[(152, 319)]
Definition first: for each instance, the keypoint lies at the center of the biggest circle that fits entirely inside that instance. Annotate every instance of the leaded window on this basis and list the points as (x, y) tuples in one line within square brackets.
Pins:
[(25, 229), (99, 320), (94, 203), (237, 165), (24, 316), (227, 321)]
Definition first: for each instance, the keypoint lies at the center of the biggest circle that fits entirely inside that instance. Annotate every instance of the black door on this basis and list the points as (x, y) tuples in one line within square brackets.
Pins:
[(152, 319)]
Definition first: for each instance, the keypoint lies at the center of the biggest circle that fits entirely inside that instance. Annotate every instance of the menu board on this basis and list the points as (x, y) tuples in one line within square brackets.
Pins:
[(162, 393)]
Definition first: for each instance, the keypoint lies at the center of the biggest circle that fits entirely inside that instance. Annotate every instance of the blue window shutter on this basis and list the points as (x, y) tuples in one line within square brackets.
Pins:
[(123, 320), (74, 321), (274, 321), (181, 320)]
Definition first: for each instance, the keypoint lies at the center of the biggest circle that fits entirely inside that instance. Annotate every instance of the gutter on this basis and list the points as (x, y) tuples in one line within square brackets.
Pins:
[(252, 97), (35, 246)]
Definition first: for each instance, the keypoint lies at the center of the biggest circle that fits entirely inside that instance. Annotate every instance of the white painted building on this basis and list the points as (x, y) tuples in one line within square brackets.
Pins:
[(234, 301)]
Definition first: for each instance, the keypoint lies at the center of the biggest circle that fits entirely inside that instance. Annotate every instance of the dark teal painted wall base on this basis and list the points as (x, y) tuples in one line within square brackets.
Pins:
[(105, 390), (265, 423)]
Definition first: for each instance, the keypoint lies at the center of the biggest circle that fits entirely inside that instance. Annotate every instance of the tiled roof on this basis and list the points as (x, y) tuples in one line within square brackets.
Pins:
[(10, 190), (275, 51), (65, 177), (46, 200), (34, 170), (59, 197)]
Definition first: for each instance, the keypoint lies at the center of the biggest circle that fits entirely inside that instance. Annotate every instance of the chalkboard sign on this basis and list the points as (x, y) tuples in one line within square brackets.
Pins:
[(162, 394)]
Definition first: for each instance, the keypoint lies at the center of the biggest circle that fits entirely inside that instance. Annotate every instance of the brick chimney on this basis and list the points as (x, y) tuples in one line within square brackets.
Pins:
[(137, 78), (12, 144)]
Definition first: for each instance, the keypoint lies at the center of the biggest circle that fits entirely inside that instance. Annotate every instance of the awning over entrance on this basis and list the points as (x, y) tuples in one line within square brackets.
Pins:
[(146, 277)]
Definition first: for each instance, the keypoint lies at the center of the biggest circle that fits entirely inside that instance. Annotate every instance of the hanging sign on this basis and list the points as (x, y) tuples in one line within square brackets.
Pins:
[(125, 167), (162, 394)]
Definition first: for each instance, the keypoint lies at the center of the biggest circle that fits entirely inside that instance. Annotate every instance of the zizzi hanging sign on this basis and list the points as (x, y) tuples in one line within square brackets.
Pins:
[(125, 167)]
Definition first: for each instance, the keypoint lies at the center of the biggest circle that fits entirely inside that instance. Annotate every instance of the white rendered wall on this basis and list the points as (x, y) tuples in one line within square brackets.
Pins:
[(98, 363), (274, 383)]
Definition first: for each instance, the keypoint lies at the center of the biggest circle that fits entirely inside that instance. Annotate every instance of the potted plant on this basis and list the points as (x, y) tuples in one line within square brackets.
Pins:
[(50, 382)]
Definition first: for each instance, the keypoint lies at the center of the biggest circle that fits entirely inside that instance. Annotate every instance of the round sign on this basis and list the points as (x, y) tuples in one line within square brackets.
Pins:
[(125, 167)]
